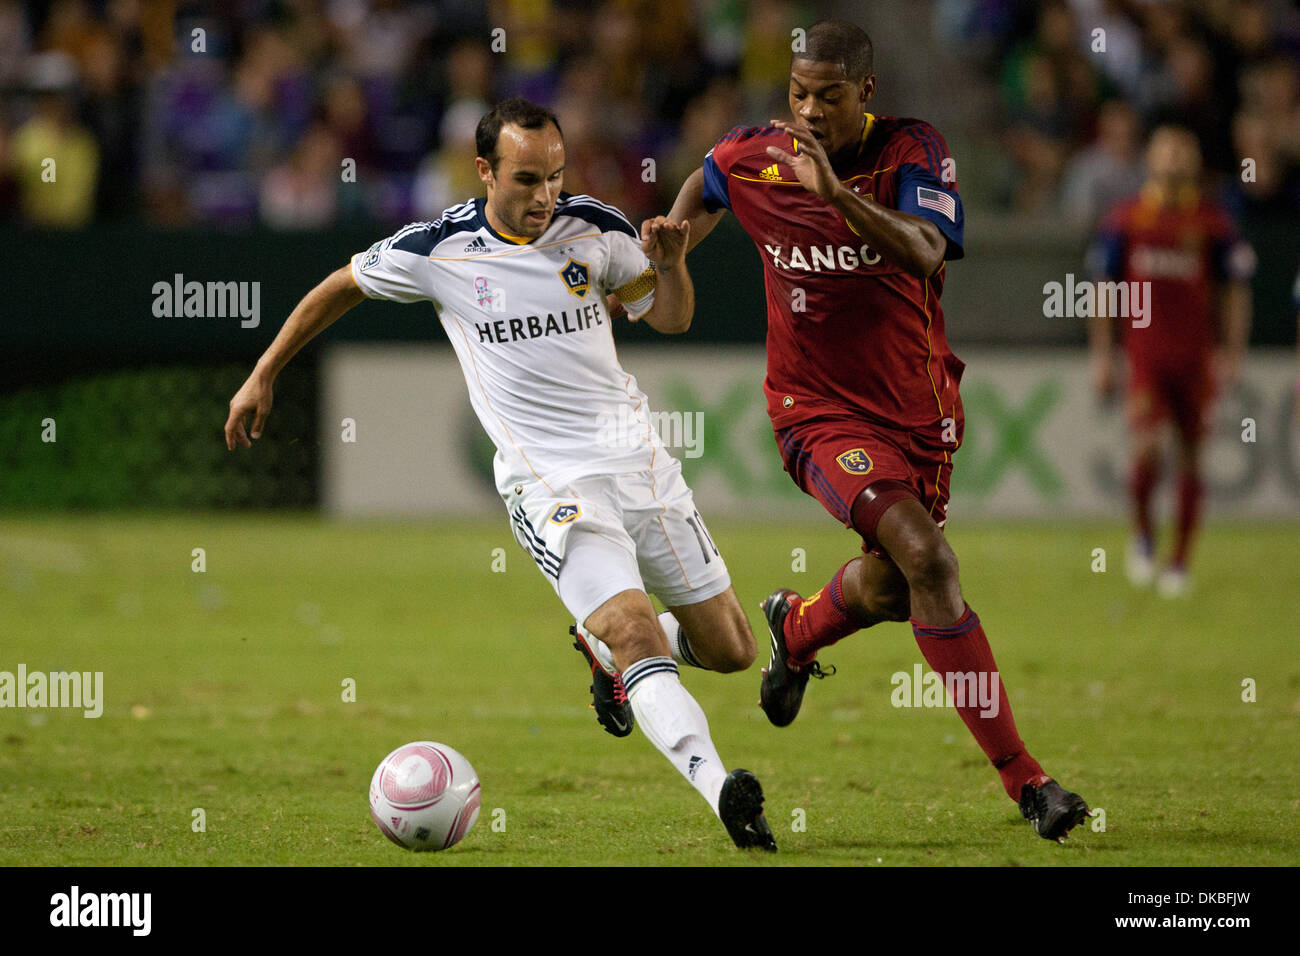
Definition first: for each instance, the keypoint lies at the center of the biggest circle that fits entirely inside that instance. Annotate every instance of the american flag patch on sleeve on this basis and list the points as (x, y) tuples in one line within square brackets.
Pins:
[(938, 200)]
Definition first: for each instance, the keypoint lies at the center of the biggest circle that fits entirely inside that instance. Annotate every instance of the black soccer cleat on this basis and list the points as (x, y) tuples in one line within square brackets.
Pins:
[(1052, 810), (740, 805), (608, 697), (781, 692)]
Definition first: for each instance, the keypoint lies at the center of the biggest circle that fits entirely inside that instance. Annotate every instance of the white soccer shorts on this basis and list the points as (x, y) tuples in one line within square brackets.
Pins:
[(601, 535)]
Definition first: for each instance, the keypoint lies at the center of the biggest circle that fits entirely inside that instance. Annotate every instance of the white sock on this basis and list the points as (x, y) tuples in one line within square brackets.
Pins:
[(604, 656), (677, 642), (668, 715), (681, 647)]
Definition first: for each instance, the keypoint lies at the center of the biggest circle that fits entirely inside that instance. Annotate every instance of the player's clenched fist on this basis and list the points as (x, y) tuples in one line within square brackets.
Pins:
[(811, 165), (664, 241), (253, 397)]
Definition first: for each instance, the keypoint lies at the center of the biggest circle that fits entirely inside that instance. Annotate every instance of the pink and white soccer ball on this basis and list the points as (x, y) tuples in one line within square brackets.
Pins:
[(425, 796)]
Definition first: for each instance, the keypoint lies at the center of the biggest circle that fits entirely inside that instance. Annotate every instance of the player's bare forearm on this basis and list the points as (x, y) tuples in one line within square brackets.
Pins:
[(665, 243), (318, 309), (1234, 315), (911, 242), (1235, 308), (674, 300), (1101, 332), (689, 207), (1101, 343)]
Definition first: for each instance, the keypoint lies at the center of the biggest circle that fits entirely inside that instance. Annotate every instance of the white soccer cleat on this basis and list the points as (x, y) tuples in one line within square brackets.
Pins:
[(1173, 583), (1138, 563)]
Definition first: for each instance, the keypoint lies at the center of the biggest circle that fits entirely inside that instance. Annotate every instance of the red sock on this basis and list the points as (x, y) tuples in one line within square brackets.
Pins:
[(818, 621), (1142, 485), (1189, 513), (962, 648)]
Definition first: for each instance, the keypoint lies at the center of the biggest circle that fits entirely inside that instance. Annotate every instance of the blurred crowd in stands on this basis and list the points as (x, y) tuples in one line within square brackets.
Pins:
[(300, 114), (175, 114), (1081, 82)]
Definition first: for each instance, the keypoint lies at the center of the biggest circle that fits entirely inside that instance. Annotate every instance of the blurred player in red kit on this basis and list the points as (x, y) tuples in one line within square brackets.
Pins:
[(854, 216), (1194, 275)]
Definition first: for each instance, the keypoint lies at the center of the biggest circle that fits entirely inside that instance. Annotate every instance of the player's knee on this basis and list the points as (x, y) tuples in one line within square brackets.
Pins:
[(930, 566), (736, 650), (634, 637), (894, 604)]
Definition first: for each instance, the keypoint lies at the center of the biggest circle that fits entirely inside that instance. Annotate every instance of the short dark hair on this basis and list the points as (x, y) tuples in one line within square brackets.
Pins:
[(840, 42), (517, 110)]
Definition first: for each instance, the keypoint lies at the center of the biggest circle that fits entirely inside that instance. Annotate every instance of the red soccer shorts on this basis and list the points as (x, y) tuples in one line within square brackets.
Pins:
[(835, 459), (1183, 392)]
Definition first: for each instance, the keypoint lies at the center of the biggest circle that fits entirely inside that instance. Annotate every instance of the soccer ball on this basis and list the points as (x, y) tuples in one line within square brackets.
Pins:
[(424, 796)]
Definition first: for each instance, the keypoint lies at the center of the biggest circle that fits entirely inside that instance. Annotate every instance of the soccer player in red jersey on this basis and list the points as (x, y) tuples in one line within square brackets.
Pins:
[(1192, 271), (854, 216)]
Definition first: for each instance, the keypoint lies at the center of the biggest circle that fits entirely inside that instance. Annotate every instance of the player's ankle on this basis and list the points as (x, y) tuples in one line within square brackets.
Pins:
[(798, 664)]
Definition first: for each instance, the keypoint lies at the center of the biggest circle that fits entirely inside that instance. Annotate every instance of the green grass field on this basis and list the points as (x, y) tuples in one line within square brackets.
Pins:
[(224, 692)]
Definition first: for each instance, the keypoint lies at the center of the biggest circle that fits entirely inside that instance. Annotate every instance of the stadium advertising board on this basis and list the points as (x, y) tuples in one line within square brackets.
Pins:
[(1036, 444)]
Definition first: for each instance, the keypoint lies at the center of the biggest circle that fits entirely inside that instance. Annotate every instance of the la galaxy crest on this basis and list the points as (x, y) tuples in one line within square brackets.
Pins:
[(855, 461), (576, 277), (563, 514)]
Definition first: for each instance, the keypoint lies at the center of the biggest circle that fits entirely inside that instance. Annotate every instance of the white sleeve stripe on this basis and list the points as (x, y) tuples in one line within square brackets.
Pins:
[(417, 226), (453, 213), (450, 216), (465, 217), (458, 209), (611, 210), (413, 227), (584, 200)]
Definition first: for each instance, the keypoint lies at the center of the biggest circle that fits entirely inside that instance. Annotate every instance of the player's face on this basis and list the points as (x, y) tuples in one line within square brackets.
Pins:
[(1173, 157), (523, 189), (827, 100)]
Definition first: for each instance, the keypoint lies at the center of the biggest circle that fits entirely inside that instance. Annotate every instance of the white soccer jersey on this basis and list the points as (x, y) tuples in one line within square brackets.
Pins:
[(529, 325)]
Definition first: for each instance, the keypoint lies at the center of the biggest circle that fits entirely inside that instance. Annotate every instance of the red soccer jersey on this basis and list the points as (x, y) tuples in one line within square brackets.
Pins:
[(1183, 249), (848, 333)]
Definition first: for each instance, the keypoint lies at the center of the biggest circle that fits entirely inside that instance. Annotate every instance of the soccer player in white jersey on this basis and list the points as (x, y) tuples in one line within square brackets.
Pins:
[(519, 281)]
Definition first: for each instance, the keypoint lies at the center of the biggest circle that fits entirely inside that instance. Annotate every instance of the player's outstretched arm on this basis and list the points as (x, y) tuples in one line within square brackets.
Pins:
[(910, 242), (318, 309), (665, 243), (689, 207), (1235, 309), (1101, 349)]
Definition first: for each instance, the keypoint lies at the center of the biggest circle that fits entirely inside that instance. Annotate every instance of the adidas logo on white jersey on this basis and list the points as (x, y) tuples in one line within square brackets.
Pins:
[(478, 245)]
